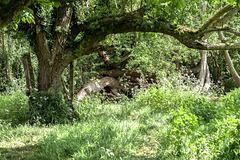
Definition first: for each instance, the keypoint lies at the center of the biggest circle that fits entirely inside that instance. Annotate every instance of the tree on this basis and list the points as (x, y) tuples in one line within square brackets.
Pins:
[(79, 28), (7, 64), (76, 36)]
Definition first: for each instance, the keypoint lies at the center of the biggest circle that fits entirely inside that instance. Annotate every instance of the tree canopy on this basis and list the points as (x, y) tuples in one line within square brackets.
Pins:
[(63, 31)]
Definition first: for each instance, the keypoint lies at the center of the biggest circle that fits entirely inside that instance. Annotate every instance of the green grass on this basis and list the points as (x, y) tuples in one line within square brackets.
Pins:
[(116, 131), (157, 124)]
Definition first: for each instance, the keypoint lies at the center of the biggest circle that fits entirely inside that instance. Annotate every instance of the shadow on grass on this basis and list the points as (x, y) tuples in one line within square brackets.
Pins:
[(25, 152)]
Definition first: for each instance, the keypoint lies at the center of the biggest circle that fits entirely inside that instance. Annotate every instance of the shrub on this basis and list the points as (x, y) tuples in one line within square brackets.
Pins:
[(49, 107), (232, 103), (14, 108)]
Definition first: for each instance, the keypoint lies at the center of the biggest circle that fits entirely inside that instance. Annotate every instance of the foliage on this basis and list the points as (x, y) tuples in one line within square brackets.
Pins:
[(14, 108), (49, 107), (232, 102), (88, 108)]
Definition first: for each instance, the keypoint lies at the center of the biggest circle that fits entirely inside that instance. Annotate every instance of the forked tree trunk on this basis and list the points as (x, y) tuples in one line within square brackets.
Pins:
[(50, 60), (204, 76)]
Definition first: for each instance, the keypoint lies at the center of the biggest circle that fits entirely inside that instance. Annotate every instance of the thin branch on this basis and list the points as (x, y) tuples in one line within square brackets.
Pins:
[(210, 30), (222, 21), (218, 46), (216, 17), (226, 18)]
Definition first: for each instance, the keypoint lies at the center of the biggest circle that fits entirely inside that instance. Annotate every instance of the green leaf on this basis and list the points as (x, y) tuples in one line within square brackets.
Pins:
[(56, 4), (15, 26), (24, 19)]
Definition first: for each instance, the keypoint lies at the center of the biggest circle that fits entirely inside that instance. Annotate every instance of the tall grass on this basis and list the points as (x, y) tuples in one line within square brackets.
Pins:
[(14, 108)]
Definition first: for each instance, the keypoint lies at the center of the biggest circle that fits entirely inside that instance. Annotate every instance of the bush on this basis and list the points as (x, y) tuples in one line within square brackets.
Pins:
[(14, 108), (202, 129), (232, 103), (49, 107)]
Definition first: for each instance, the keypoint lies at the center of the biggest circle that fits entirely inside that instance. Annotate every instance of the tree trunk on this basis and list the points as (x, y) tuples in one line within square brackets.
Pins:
[(208, 80), (203, 70), (29, 75), (204, 76), (71, 81), (110, 85), (227, 57), (232, 70), (7, 58), (51, 62), (49, 77)]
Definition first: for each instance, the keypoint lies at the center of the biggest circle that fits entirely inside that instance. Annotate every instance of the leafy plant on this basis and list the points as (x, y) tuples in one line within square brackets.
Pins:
[(14, 108), (48, 107)]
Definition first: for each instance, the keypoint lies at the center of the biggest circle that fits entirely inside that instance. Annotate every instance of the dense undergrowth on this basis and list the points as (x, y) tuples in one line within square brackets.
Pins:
[(163, 122)]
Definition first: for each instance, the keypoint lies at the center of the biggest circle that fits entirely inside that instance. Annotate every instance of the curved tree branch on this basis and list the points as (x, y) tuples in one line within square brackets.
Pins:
[(228, 59), (135, 21), (216, 17)]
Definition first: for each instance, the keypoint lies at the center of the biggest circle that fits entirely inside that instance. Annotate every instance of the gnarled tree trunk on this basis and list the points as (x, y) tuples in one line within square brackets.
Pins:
[(51, 62)]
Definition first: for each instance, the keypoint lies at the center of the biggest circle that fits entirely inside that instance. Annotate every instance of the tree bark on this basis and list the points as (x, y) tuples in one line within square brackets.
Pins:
[(228, 59), (29, 75), (105, 57), (51, 62), (109, 84), (208, 80), (231, 67), (7, 58), (203, 70), (71, 81)]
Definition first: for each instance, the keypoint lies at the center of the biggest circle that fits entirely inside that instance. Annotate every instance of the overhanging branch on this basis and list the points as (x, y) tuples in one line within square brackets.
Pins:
[(216, 17)]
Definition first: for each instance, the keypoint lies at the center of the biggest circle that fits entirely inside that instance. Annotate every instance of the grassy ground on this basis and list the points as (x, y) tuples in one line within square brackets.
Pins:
[(117, 132), (157, 124)]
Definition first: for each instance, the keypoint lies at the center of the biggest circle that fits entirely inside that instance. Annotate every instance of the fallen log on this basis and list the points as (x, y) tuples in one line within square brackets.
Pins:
[(107, 84)]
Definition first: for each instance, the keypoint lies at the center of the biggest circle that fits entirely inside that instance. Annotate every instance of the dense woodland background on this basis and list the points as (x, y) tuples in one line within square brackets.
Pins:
[(119, 79)]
